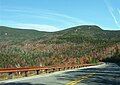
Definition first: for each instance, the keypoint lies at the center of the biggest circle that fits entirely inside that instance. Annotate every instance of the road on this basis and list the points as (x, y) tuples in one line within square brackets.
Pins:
[(105, 74)]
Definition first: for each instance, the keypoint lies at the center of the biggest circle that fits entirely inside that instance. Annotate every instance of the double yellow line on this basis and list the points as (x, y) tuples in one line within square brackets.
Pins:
[(79, 80)]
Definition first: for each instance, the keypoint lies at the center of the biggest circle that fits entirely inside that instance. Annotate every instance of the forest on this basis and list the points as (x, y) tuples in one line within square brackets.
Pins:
[(76, 45)]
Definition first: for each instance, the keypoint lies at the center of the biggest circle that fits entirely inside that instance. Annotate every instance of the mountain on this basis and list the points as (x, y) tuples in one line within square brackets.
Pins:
[(18, 35), (78, 34), (75, 45), (86, 31), (92, 31)]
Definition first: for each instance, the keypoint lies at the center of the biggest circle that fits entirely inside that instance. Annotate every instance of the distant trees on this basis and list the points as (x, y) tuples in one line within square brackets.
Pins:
[(75, 51), (115, 58)]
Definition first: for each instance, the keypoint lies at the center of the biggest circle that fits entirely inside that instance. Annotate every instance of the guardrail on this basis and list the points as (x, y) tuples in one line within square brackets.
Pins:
[(46, 69)]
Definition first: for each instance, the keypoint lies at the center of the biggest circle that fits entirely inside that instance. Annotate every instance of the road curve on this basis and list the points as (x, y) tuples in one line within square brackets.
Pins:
[(105, 74)]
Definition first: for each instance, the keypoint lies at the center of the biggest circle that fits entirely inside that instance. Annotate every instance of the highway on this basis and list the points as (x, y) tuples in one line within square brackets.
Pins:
[(105, 74)]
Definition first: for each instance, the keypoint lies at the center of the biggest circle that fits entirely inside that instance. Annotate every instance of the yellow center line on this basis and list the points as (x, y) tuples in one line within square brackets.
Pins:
[(79, 80)]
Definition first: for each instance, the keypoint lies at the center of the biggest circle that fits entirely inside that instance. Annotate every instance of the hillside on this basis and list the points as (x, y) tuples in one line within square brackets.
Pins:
[(76, 45), (87, 33), (18, 35), (92, 31), (84, 31)]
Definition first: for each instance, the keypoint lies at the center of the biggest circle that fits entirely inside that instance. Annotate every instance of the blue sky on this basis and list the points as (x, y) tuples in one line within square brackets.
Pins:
[(54, 15)]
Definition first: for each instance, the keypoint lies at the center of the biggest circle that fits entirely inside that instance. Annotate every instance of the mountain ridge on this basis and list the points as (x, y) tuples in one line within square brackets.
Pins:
[(27, 48), (85, 31)]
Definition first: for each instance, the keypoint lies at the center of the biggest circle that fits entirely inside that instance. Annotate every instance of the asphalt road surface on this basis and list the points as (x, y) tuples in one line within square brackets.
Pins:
[(105, 74)]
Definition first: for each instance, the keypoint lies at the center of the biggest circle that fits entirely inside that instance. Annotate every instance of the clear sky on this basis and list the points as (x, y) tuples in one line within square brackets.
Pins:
[(54, 15)]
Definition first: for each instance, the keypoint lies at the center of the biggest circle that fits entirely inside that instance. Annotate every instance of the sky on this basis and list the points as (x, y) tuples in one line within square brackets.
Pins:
[(54, 15)]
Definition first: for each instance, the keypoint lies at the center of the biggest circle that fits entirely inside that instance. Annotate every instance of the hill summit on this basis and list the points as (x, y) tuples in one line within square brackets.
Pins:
[(87, 27)]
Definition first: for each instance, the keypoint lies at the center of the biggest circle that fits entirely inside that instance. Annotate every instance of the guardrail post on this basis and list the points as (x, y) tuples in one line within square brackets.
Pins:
[(59, 69), (10, 75), (37, 72), (26, 73), (53, 69), (46, 70)]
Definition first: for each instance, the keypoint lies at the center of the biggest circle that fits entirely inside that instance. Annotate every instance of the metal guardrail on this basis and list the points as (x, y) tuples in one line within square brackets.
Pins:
[(46, 69)]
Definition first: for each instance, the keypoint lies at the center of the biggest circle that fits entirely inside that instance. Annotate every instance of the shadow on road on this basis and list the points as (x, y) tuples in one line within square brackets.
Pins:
[(105, 75), (20, 84), (109, 75)]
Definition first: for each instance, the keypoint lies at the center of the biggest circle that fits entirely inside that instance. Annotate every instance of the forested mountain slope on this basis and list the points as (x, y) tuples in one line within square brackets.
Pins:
[(75, 45)]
